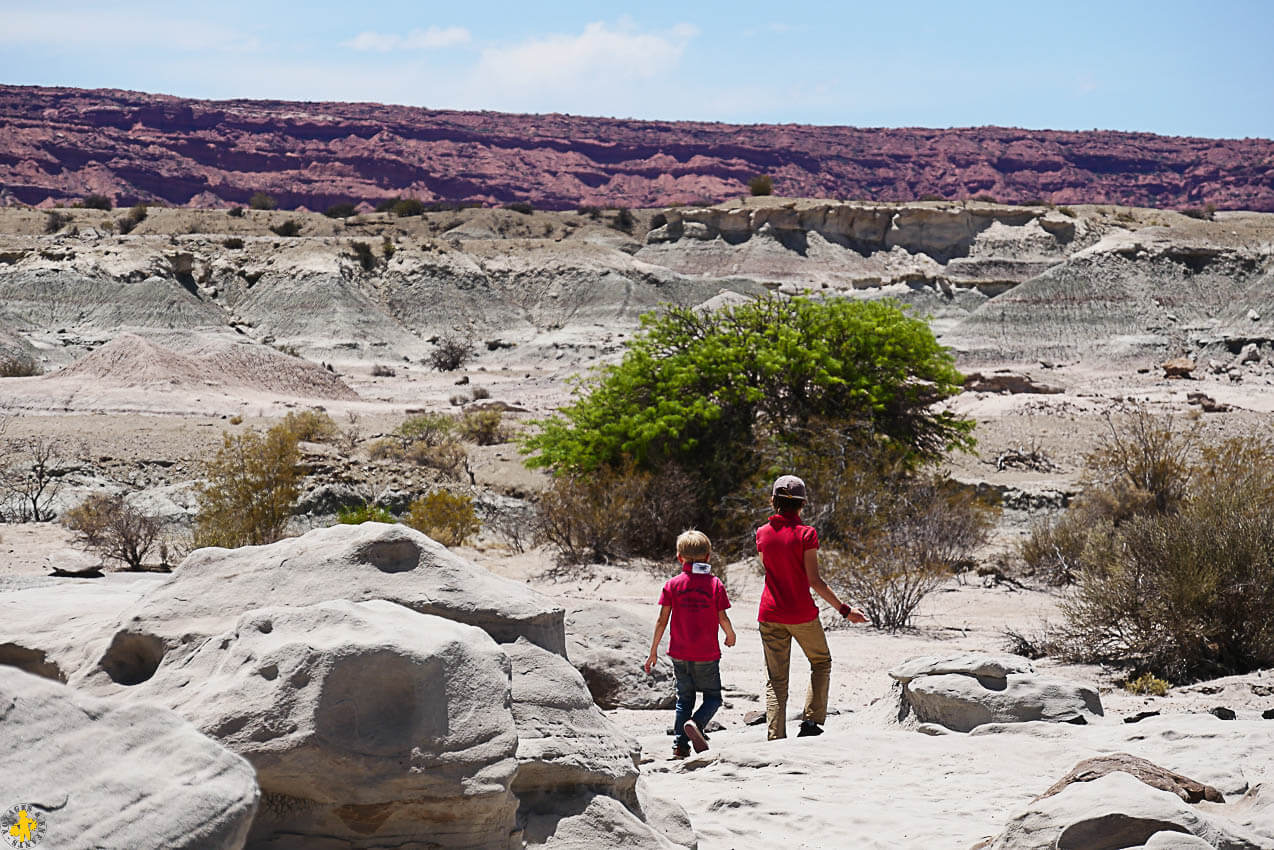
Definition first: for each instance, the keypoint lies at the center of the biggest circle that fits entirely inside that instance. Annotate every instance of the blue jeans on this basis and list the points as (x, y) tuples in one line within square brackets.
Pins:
[(696, 677)]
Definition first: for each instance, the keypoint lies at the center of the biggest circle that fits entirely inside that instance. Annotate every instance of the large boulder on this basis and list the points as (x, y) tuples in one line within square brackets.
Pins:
[(564, 740), (607, 645), (94, 774), (962, 692), (213, 586), (367, 723), (1117, 811)]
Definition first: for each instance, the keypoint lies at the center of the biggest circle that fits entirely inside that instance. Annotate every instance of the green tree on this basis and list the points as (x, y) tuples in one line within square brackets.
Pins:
[(699, 389), (249, 489)]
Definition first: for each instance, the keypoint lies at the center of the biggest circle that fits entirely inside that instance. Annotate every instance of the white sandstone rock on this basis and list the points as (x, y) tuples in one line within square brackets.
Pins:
[(606, 644)]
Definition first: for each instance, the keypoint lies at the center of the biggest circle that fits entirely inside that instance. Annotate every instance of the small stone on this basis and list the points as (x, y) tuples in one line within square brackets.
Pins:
[(1253, 315), (1268, 714), (1223, 713), (1140, 716), (754, 718), (1178, 367)]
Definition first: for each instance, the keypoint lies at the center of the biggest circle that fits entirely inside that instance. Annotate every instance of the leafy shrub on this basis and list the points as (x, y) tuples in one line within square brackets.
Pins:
[(380, 370), (310, 426), (114, 529), (694, 388), (450, 353), (250, 486), (287, 228), (407, 207), (364, 513), (484, 427), (55, 221), (234, 243), (449, 518), (96, 202), (261, 201), (762, 184), (235, 212), (363, 253), (524, 207), (615, 513), (340, 211)]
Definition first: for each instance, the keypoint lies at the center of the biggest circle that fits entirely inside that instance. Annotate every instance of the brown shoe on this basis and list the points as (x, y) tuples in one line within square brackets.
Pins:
[(695, 735), (680, 751)]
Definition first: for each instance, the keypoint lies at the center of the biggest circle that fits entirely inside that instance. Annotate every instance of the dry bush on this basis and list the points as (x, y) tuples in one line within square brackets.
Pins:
[(1144, 453), (363, 253), (1189, 593), (448, 457), (288, 228), (311, 426), (250, 486), (18, 366), (449, 518), (450, 353), (114, 529), (615, 513), (484, 427), (380, 370), (348, 439), (55, 221), (762, 184), (31, 470), (386, 448), (359, 514), (259, 201)]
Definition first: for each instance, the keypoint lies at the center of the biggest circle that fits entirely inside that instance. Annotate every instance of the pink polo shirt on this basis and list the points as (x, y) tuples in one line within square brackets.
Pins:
[(782, 543), (695, 597)]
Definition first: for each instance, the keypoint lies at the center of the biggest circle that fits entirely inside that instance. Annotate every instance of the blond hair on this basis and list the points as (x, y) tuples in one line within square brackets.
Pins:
[(693, 545)]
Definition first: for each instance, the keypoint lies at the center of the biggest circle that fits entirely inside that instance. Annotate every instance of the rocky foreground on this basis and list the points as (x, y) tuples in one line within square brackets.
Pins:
[(60, 144)]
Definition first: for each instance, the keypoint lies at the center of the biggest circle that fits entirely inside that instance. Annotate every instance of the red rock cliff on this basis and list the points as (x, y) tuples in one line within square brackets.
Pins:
[(61, 144)]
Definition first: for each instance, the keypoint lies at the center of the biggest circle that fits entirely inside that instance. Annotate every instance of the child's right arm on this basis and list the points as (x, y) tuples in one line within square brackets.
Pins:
[(664, 612)]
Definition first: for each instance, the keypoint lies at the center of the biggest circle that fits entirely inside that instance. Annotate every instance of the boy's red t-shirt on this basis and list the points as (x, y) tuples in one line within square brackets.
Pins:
[(782, 543), (695, 599)]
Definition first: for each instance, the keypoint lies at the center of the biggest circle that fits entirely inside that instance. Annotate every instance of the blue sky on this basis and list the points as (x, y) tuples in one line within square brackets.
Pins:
[(1175, 66)]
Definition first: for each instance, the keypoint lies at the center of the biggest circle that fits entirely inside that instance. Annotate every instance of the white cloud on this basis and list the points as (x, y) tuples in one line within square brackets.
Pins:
[(600, 58), (418, 39)]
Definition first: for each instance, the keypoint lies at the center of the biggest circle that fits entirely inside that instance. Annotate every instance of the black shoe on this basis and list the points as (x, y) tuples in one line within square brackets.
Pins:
[(809, 729), (680, 751)]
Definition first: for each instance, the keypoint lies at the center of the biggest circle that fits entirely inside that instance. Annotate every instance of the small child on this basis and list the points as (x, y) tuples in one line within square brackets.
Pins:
[(696, 602)]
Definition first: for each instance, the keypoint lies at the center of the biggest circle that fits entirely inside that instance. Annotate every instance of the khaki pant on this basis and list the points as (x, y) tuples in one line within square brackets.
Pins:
[(776, 639)]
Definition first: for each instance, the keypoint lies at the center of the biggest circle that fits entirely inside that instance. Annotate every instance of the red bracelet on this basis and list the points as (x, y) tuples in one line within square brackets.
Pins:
[(844, 609)]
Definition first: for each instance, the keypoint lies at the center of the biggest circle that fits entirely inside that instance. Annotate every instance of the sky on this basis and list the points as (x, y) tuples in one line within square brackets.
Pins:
[(1175, 67)]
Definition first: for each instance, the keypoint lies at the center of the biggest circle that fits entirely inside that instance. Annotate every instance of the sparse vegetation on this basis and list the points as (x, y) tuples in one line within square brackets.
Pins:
[(762, 184), (363, 253), (1069, 212), (136, 215), (341, 210), (524, 207), (250, 486), (364, 513), (235, 212), (407, 207), (261, 201), (624, 220), (484, 427), (288, 228), (380, 370), (450, 353), (55, 221), (984, 198), (31, 474), (18, 366), (234, 243), (388, 248), (1147, 685), (449, 518), (114, 529), (96, 202), (310, 426)]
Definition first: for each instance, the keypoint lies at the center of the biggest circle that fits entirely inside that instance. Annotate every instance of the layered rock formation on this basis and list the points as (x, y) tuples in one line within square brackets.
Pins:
[(387, 692), (62, 144)]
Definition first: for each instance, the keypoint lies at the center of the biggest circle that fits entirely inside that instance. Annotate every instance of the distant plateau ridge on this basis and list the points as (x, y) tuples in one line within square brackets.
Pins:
[(58, 145)]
